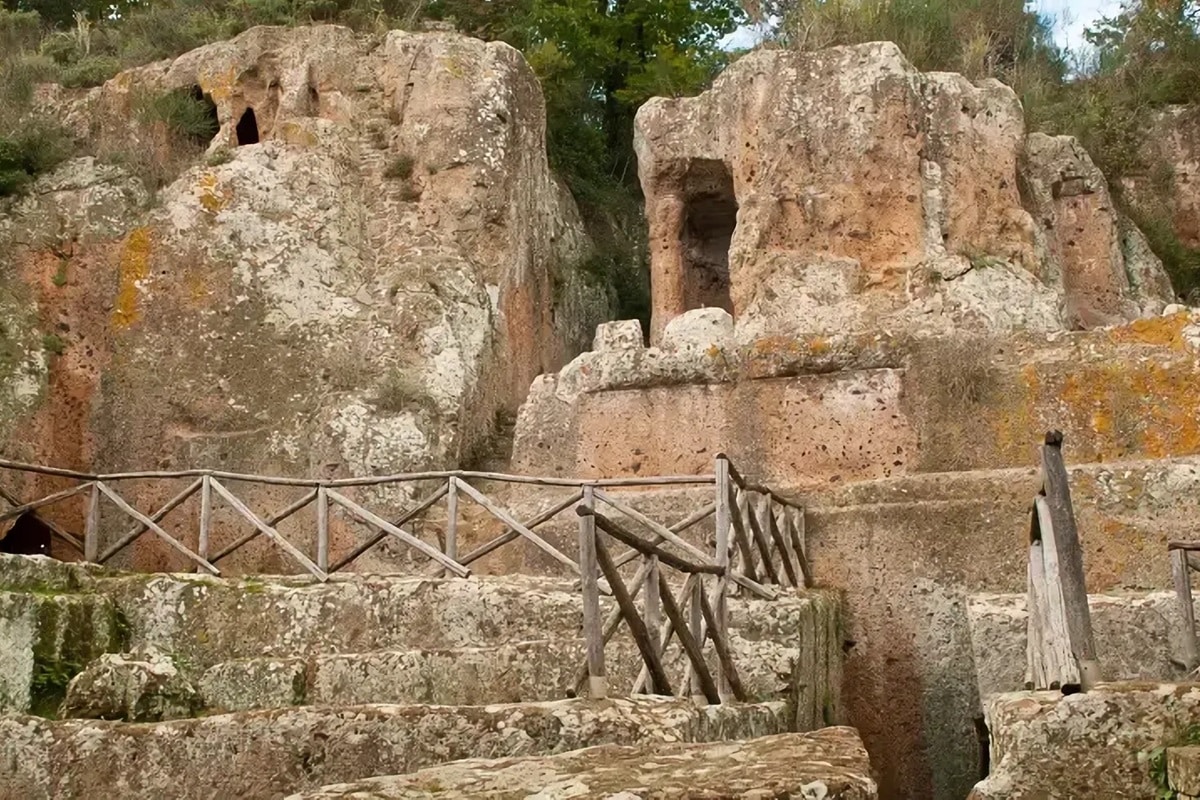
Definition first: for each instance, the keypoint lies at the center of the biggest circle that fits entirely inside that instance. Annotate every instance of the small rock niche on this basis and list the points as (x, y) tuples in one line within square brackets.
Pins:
[(710, 217)]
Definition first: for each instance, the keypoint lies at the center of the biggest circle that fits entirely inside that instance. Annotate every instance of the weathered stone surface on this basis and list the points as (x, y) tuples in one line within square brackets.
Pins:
[(46, 638), (285, 641), (143, 686), (357, 292), (624, 335), (843, 190), (1083, 745), (819, 410), (1183, 769), (259, 683), (831, 764), (268, 754), (1136, 638), (1101, 278)]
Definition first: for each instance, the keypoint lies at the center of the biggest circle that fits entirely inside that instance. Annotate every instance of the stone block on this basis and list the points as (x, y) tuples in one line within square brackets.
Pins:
[(830, 764), (623, 335), (256, 683), (143, 686), (273, 753), (1183, 769)]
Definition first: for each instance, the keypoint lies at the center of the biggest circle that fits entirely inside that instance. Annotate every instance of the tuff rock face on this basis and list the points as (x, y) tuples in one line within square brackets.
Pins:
[(144, 686), (843, 190), (830, 764), (372, 259)]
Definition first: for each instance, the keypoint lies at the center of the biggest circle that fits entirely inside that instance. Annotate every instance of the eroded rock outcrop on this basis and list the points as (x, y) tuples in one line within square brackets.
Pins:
[(143, 686), (371, 261), (1171, 194), (843, 190)]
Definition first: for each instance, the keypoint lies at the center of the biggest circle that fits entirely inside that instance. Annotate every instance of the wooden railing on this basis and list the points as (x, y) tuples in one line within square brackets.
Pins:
[(1184, 560), (758, 549)]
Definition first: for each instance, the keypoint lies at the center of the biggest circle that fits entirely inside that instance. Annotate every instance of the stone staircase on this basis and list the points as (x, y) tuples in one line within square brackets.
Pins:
[(262, 687)]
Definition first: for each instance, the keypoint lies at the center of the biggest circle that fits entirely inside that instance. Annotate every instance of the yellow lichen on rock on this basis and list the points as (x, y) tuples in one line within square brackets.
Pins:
[(213, 198), (133, 268)]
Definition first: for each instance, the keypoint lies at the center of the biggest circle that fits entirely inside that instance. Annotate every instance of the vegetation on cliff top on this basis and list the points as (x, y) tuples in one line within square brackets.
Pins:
[(600, 59)]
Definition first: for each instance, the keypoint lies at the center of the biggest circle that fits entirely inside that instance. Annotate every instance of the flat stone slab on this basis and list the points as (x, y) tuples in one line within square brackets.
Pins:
[(1183, 770), (830, 763), (1097, 744), (269, 754)]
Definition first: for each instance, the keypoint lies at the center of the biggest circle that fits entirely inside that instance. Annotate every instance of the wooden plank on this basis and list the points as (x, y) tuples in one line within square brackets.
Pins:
[(665, 632), (154, 528), (13, 513), (589, 581), (1054, 664), (695, 626), (1193, 561), (272, 520), (741, 536), (403, 519), (651, 601), (504, 516), (412, 541), (621, 534), (91, 526), (720, 643), (158, 516), (237, 505), (511, 535), (798, 534), (780, 542), (1187, 613), (758, 527), (678, 527), (637, 628), (205, 535), (452, 518), (323, 529), (611, 623), (688, 639), (670, 536), (1070, 560), (1190, 547)]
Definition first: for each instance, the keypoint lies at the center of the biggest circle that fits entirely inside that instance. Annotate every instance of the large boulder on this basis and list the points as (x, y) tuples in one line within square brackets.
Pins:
[(143, 686), (369, 263), (1169, 194), (843, 190)]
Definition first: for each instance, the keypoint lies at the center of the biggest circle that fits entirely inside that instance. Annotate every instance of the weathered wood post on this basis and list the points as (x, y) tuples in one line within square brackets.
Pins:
[(1181, 574), (452, 518), (323, 528), (202, 544), (724, 521), (1063, 564), (91, 531), (589, 568)]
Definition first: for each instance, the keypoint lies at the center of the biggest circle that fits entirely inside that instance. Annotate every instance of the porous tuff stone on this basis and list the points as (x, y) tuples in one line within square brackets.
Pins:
[(143, 686), (357, 293), (844, 190), (1083, 745), (830, 764), (268, 754)]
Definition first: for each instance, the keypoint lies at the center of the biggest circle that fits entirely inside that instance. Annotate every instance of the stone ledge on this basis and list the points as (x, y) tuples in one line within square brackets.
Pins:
[(268, 754), (831, 764)]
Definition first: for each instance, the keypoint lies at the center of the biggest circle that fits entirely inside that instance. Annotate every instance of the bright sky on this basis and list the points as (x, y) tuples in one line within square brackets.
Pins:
[(1071, 17)]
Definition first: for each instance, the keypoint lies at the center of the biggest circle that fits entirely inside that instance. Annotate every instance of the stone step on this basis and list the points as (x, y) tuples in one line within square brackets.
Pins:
[(512, 673), (830, 764), (269, 754)]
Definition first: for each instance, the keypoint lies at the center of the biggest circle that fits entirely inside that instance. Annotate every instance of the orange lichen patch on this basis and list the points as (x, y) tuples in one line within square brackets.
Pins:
[(296, 134), (777, 345), (133, 267), (818, 345), (213, 198), (1163, 331), (219, 86)]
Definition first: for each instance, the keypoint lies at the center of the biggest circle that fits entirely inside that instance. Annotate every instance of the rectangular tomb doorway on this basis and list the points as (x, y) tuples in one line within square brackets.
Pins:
[(710, 217)]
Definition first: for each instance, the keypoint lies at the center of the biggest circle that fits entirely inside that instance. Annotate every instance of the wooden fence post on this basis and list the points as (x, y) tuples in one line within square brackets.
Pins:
[(653, 603), (323, 529), (724, 522), (1057, 490), (91, 531), (589, 581), (452, 518), (1183, 594), (205, 520)]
